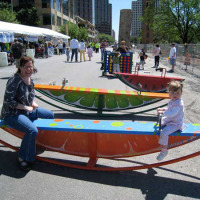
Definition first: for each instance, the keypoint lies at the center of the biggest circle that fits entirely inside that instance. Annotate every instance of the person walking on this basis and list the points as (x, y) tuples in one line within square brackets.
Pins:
[(156, 52), (68, 53), (103, 48), (89, 52), (97, 47), (142, 57), (74, 47), (172, 57), (82, 50), (60, 47), (64, 47)]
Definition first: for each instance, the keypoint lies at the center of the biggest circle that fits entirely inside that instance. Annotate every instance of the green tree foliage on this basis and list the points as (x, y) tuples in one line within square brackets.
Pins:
[(6, 13), (107, 37), (74, 30), (83, 34), (28, 16), (174, 20), (136, 40)]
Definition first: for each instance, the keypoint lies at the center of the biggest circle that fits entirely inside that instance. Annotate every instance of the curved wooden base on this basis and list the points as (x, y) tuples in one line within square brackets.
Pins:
[(91, 166)]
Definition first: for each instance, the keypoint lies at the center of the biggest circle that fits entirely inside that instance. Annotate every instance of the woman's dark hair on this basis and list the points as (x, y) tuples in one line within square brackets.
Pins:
[(23, 61)]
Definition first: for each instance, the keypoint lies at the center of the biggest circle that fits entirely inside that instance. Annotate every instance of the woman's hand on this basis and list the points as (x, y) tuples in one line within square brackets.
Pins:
[(28, 108), (34, 105)]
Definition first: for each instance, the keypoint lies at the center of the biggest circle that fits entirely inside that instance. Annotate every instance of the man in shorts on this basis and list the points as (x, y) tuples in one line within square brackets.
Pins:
[(172, 57)]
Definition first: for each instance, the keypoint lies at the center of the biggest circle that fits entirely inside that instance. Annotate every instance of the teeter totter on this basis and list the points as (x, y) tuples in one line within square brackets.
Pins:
[(96, 139), (98, 100), (147, 83)]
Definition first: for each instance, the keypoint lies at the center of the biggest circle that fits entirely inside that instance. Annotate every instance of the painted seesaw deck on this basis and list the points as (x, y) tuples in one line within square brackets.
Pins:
[(105, 139)]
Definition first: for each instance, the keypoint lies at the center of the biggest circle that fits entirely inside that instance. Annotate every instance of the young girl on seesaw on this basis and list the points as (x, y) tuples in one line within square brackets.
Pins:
[(173, 115)]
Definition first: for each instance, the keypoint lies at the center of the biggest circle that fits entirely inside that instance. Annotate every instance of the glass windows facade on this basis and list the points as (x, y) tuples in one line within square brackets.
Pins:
[(58, 21), (58, 7), (46, 18), (47, 3), (52, 19), (65, 7)]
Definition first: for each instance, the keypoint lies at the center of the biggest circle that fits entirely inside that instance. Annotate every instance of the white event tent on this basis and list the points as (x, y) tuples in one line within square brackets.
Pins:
[(20, 29)]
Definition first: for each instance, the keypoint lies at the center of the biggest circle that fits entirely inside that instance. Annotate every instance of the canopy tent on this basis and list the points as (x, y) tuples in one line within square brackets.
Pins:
[(29, 30)]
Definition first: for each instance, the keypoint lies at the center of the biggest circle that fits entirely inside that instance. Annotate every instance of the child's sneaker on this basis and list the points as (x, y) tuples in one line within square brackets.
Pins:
[(162, 155)]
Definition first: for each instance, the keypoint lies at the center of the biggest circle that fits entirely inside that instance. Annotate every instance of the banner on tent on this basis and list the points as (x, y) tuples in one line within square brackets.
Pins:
[(30, 38), (6, 37)]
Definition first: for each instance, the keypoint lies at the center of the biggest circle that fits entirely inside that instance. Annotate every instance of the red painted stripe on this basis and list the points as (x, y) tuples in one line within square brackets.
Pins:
[(102, 91)]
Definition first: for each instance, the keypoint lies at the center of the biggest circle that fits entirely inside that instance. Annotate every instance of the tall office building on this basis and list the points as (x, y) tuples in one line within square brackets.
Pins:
[(125, 26), (85, 9), (136, 25), (103, 16), (52, 13)]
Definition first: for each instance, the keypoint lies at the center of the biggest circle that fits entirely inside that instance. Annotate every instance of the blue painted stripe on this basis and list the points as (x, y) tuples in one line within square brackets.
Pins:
[(115, 127)]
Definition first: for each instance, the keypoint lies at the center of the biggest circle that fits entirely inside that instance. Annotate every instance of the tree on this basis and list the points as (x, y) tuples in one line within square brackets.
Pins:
[(6, 13), (74, 30), (83, 34), (28, 16), (103, 36), (136, 40), (174, 20)]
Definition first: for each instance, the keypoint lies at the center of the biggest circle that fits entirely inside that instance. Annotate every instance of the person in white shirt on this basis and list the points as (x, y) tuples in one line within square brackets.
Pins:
[(172, 57), (156, 56), (60, 47), (74, 47), (82, 50)]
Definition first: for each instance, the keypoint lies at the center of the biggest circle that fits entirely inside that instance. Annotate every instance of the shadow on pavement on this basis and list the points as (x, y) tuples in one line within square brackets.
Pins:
[(154, 187), (114, 117), (5, 78)]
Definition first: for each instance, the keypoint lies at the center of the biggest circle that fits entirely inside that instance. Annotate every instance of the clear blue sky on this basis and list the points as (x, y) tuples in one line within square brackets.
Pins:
[(117, 5)]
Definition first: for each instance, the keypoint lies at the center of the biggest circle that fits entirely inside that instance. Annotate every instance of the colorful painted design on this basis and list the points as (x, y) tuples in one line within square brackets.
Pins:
[(99, 99), (149, 83), (108, 139)]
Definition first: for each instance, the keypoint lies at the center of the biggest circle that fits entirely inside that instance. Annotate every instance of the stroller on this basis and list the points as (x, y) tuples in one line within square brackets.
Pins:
[(39, 52)]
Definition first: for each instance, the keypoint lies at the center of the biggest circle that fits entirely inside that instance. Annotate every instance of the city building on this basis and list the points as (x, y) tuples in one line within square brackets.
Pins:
[(52, 13), (113, 34), (103, 16), (136, 25), (125, 26), (138, 28), (92, 32), (85, 10)]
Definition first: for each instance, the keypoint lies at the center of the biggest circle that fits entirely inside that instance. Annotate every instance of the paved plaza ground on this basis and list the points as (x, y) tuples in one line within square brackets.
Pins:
[(177, 181)]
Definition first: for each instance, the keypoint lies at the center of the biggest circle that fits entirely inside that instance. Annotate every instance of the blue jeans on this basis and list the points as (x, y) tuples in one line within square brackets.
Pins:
[(74, 51), (102, 54), (25, 124)]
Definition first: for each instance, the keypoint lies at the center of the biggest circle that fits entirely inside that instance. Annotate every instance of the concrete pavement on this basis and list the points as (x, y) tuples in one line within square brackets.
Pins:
[(178, 181)]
